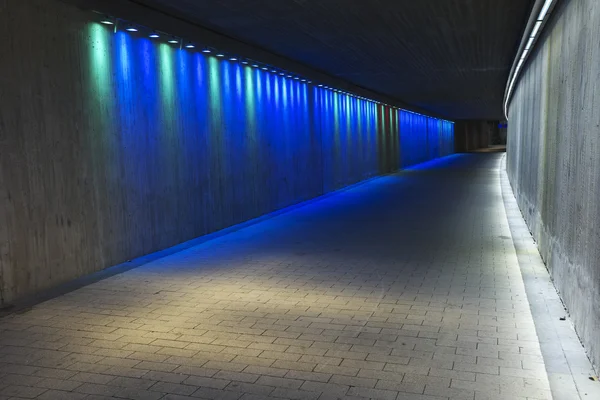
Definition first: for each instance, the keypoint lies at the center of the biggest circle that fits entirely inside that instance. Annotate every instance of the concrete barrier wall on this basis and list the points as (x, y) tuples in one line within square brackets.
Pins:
[(554, 158), (113, 146), (472, 135)]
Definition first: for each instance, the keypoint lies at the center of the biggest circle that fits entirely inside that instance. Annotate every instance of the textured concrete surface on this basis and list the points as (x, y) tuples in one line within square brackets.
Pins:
[(553, 162), (113, 145), (568, 367), (473, 135), (406, 287)]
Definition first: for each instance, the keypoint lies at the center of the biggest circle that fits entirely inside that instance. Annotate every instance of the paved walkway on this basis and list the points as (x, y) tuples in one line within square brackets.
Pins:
[(406, 287)]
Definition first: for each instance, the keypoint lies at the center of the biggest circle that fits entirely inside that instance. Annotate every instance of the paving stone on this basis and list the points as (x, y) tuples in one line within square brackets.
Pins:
[(26, 392), (402, 288), (245, 387), (173, 388), (373, 393), (61, 395), (206, 382), (216, 394), (58, 384)]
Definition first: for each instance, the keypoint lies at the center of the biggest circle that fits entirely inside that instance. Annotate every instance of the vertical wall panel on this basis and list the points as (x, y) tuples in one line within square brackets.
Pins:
[(421, 139), (433, 135), (553, 158), (114, 145)]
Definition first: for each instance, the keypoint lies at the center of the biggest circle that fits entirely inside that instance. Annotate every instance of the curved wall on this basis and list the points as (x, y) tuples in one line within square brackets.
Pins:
[(554, 158), (114, 146)]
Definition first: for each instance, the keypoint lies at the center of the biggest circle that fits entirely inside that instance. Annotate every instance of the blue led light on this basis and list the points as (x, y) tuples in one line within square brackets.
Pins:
[(220, 55), (265, 68), (206, 50), (233, 59), (131, 29), (189, 46), (255, 65), (154, 35)]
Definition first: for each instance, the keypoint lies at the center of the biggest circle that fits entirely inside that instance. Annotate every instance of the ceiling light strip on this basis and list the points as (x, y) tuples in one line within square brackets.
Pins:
[(541, 19)]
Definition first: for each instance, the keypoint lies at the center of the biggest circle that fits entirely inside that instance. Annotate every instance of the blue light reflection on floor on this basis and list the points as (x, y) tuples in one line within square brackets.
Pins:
[(441, 162), (352, 195)]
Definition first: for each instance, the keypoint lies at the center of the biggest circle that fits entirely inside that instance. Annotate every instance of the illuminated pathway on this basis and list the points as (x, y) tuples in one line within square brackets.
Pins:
[(406, 287)]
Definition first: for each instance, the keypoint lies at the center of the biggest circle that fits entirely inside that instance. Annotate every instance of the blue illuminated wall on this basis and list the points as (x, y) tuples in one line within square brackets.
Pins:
[(424, 138), (115, 145)]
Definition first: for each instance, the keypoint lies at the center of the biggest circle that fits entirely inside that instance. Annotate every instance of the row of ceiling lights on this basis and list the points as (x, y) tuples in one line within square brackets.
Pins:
[(106, 20), (535, 31), (208, 50)]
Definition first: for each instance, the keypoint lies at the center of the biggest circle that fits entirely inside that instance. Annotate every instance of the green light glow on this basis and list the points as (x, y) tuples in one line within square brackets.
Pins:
[(167, 80), (214, 91), (250, 105), (100, 136), (100, 62)]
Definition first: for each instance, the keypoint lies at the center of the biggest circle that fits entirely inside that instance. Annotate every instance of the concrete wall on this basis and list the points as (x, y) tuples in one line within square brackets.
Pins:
[(471, 135), (113, 146), (554, 158)]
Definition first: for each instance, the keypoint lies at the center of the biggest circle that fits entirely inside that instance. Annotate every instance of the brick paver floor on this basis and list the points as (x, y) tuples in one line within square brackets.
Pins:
[(405, 287)]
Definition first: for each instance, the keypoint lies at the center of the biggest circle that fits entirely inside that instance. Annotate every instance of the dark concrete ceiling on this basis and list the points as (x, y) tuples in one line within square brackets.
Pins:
[(449, 56)]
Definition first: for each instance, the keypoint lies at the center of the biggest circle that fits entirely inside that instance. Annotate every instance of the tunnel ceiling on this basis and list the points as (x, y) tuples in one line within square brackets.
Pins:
[(452, 57)]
